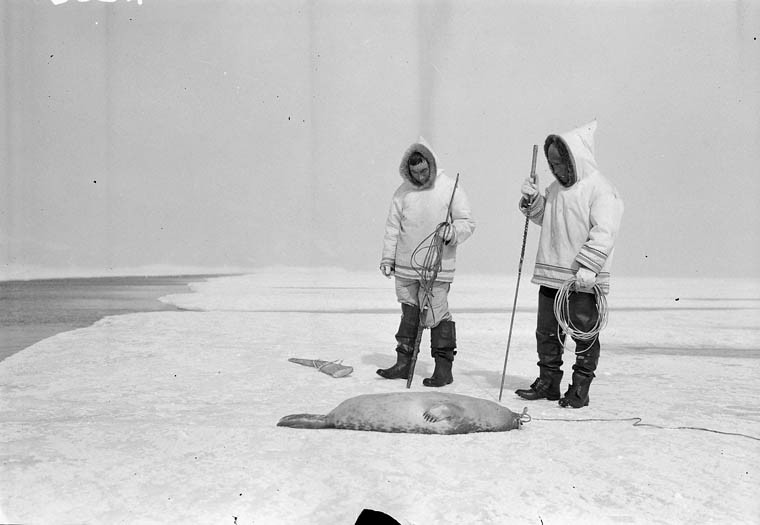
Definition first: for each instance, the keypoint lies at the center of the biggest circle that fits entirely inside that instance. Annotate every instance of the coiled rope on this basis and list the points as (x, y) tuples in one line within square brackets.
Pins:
[(562, 313), (427, 269)]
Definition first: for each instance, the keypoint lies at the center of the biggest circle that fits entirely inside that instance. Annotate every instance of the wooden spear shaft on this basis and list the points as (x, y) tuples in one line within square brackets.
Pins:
[(519, 272), (416, 349), (429, 281)]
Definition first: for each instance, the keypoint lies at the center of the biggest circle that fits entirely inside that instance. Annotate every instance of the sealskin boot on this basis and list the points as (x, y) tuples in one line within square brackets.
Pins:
[(577, 393), (540, 389), (405, 337), (443, 340), (546, 386), (586, 360), (400, 370), (442, 373), (583, 315)]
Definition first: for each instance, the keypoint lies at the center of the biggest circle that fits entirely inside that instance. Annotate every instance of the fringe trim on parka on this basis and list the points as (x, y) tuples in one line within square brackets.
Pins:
[(416, 211), (580, 222)]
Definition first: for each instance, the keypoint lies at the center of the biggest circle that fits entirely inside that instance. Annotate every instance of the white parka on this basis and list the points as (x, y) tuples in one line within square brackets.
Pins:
[(580, 222), (415, 212)]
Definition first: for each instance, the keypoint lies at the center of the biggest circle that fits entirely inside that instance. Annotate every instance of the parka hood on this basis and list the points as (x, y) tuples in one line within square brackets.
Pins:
[(422, 147), (580, 146)]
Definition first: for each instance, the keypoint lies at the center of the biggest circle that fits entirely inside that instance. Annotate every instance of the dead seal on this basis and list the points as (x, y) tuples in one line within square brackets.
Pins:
[(413, 412)]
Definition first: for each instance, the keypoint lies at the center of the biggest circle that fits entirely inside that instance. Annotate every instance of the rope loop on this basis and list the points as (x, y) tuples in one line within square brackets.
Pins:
[(562, 312), (427, 269)]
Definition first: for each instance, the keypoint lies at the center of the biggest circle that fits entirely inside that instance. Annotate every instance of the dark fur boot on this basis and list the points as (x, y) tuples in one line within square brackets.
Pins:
[(442, 374), (540, 389), (546, 386), (443, 342), (583, 315), (577, 393), (400, 370), (405, 337), (586, 360)]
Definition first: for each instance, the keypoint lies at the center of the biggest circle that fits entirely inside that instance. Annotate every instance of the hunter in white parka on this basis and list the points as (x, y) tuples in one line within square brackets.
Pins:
[(579, 219), (417, 209), (420, 207), (580, 216)]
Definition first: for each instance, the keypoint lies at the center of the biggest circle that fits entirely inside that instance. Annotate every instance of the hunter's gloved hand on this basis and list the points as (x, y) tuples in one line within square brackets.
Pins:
[(448, 233), (585, 279), (387, 270), (529, 189)]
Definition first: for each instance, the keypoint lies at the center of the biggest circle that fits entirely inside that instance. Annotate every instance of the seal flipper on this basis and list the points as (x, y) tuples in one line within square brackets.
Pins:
[(305, 421), (442, 412)]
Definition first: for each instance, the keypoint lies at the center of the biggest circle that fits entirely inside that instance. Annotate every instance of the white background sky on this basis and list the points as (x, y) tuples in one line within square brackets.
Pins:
[(247, 134)]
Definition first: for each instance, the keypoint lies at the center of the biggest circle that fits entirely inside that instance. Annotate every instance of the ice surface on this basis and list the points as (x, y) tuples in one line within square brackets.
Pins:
[(170, 416)]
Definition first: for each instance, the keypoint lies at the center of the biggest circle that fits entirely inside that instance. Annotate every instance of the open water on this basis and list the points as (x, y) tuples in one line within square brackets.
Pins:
[(36, 309)]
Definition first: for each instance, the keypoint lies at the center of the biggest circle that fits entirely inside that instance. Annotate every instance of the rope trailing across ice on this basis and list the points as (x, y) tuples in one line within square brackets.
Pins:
[(637, 422)]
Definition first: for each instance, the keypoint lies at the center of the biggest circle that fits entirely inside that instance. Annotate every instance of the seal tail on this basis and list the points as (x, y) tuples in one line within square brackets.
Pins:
[(304, 421)]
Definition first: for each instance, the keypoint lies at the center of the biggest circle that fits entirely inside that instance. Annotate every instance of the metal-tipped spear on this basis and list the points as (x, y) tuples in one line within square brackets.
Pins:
[(519, 272)]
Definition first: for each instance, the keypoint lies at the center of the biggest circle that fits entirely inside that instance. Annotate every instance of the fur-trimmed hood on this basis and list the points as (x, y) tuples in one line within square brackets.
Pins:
[(422, 147), (580, 146), (579, 222)]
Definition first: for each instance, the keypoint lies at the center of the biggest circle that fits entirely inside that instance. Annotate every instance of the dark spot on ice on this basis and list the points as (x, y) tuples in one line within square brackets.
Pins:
[(678, 298)]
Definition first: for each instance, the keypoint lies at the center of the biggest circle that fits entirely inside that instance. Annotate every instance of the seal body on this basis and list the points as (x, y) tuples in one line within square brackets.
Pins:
[(412, 412)]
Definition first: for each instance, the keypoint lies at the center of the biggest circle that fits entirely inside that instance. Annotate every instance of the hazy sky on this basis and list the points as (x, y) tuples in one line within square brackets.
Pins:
[(241, 133)]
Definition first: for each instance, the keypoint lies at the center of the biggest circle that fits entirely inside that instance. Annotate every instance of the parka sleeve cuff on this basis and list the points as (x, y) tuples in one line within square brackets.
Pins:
[(591, 258), (533, 210)]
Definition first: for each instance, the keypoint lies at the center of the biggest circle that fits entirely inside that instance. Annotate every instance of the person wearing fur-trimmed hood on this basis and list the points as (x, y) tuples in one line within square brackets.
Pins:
[(417, 208), (579, 215)]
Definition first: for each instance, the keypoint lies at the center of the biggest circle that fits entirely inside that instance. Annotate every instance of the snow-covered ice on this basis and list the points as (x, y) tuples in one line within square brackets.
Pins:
[(170, 417)]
